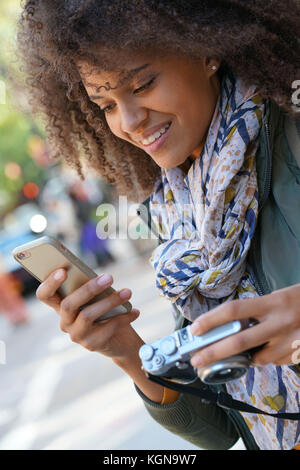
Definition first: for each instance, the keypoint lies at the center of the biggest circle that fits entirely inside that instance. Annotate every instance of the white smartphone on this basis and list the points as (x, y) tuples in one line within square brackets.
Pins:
[(46, 254)]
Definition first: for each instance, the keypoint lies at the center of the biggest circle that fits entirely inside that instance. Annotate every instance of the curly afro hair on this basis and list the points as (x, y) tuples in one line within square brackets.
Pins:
[(258, 41)]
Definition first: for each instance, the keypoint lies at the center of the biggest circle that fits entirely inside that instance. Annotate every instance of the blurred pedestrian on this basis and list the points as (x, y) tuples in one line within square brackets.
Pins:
[(90, 244), (12, 303)]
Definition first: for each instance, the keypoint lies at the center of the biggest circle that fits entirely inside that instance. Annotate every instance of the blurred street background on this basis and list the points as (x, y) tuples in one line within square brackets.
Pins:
[(55, 394)]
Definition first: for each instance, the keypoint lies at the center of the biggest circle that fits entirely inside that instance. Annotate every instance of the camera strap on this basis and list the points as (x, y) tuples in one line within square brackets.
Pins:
[(222, 399)]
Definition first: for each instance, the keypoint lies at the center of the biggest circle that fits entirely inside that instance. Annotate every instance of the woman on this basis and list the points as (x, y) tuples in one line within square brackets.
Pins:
[(168, 100)]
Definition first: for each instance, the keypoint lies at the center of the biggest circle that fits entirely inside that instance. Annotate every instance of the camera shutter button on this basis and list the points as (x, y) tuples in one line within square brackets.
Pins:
[(168, 346), (146, 352)]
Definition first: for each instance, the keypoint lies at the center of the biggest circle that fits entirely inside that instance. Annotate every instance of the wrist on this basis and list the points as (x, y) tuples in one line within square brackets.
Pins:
[(132, 366), (131, 357)]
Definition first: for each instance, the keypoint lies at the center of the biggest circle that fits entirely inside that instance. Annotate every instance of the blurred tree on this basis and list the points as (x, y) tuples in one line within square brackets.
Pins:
[(23, 153)]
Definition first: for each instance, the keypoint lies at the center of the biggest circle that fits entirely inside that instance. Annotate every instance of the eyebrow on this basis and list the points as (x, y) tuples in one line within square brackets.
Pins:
[(121, 82)]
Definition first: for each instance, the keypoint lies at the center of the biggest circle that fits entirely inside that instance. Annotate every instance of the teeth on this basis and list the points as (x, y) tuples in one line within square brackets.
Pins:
[(156, 135)]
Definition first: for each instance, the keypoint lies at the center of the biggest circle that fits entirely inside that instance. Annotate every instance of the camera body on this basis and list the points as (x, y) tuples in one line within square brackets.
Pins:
[(173, 352)]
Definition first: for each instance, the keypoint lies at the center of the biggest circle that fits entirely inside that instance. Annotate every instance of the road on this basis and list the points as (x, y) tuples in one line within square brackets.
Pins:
[(57, 395)]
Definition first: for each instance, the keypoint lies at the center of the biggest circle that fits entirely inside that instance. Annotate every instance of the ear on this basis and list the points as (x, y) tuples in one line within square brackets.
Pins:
[(211, 66)]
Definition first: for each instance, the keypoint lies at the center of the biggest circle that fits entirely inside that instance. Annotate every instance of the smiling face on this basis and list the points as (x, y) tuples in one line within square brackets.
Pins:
[(164, 107)]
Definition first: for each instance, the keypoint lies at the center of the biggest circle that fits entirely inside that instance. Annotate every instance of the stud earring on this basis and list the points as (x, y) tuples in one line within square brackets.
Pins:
[(214, 67)]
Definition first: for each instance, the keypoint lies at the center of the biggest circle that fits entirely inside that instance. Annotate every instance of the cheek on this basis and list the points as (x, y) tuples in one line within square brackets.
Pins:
[(114, 126), (197, 112), (162, 100), (182, 103)]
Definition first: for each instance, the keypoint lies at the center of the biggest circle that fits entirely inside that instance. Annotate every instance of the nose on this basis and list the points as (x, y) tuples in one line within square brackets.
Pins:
[(133, 118)]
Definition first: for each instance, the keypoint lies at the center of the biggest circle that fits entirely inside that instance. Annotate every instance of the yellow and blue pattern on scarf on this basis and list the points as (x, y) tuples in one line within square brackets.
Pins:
[(206, 220)]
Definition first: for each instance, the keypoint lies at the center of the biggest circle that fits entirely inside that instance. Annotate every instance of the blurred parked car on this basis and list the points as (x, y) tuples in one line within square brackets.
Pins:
[(24, 224)]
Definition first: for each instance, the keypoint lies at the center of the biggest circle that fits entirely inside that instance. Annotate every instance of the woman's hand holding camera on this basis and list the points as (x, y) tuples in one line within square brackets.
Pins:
[(113, 337), (278, 315)]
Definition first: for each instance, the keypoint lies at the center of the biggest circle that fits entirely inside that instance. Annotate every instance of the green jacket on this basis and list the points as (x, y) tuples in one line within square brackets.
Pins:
[(274, 263)]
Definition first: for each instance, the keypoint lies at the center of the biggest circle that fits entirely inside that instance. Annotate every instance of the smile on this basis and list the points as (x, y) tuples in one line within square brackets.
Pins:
[(156, 135), (155, 141)]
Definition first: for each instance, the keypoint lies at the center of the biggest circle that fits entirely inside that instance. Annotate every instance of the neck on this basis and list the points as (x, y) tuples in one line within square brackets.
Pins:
[(196, 153), (185, 166)]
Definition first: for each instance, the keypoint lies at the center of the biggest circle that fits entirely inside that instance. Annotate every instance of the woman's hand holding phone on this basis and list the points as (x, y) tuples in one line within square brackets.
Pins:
[(108, 337), (113, 337)]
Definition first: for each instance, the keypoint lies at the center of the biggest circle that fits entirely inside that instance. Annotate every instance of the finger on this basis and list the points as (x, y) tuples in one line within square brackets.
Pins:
[(113, 325), (235, 344), (285, 361), (230, 311), (71, 304), (95, 337), (274, 354), (46, 292), (123, 320), (93, 312), (87, 292)]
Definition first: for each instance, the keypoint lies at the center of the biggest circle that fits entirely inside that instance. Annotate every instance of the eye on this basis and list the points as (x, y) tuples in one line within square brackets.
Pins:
[(107, 109), (142, 88)]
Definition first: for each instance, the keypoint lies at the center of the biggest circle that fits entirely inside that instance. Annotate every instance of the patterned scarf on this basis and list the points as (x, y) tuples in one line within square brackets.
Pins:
[(206, 220)]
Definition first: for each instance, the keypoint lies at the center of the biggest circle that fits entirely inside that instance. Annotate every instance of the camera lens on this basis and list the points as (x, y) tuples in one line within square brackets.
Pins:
[(21, 255), (226, 375)]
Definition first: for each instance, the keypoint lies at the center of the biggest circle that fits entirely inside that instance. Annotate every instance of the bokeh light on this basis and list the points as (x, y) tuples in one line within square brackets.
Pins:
[(36, 148), (38, 223), (12, 170), (31, 190)]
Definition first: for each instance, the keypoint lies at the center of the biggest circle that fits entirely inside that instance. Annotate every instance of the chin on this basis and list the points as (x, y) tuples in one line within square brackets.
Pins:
[(167, 165)]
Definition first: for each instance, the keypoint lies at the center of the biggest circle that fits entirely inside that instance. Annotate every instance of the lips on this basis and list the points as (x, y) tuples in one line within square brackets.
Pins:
[(156, 145)]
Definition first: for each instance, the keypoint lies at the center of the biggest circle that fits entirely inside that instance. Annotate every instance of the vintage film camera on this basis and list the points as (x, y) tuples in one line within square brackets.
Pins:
[(170, 356)]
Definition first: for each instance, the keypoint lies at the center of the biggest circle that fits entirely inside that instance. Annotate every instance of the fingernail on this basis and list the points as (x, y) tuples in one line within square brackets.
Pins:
[(125, 293), (104, 280), (59, 274), (196, 361), (194, 328)]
